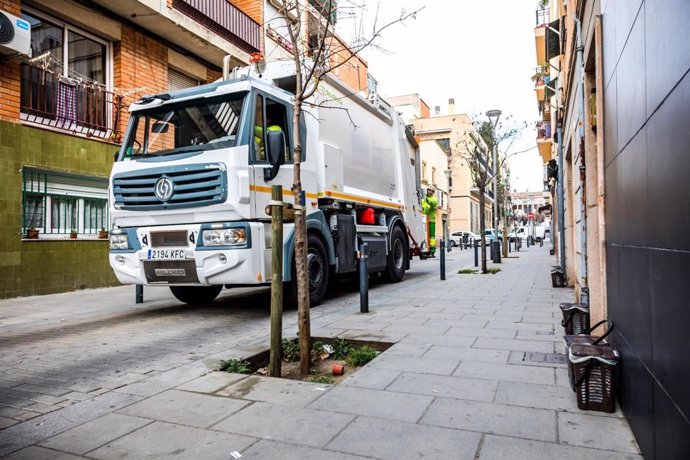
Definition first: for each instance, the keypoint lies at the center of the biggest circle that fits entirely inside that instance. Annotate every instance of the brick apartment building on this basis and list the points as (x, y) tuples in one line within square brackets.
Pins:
[(64, 109)]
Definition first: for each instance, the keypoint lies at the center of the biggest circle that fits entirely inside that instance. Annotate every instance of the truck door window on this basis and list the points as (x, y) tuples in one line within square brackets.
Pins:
[(270, 115)]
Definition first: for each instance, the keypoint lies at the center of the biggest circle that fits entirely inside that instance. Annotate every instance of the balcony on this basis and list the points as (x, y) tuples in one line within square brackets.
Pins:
[(53, 101), (224, 19), (326, 7), (544, 140)]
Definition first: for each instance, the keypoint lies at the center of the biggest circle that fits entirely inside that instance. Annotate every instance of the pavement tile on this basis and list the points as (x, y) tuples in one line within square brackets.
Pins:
[(271, 449), (493, 418), (481, 332), (267, 421), (448, 340), (42, 389), (598, 432), (442, 386), (372, 378), (42, 408), (373, 403), (11, 442), (505, 372), (424, 365), (503, 448), (165, 440), (17, 413), (185, 408), (5, 422), (519, 345), (408, 349), (40, 453), (212, 382), (95, 433), (273, 390), (396, 440), (374, 336), (468, 354), (539, 396)]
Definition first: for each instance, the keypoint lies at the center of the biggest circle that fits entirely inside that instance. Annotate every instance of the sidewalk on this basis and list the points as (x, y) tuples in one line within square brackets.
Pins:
[(458, 383)]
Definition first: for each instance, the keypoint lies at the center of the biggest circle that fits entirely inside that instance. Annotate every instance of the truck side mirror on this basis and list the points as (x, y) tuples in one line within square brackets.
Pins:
[(275, 152)]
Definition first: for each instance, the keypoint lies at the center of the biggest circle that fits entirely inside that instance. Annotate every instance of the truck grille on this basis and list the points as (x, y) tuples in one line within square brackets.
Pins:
[(171, 271), (193, 185), (170, 239)]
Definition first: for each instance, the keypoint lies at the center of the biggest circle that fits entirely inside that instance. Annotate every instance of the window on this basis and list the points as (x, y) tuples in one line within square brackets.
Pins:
[(433, 175), (57, 203), (444, 143), (65, 84), (269, 116), (178, 80), (424, 173)]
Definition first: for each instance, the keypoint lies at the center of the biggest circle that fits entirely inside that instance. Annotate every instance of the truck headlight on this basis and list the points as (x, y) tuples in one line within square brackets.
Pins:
[(119, 241), (224, 237)]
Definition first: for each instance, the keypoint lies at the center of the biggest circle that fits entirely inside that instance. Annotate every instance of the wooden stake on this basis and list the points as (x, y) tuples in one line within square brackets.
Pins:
[(275, 354)]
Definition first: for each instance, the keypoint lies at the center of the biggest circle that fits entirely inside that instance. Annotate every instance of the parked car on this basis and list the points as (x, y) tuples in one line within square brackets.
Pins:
[(467, 239), (520, 232), (490, 235)]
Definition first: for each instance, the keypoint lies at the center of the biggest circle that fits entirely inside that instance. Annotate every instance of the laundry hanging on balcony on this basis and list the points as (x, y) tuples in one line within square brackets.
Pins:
[(67, 100)]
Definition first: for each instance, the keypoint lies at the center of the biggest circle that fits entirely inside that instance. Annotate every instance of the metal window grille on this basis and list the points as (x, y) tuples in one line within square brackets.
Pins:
[(57, 203)]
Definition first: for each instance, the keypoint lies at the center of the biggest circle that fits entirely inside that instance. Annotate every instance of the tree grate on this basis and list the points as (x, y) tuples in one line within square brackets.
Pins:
[(551, 358)]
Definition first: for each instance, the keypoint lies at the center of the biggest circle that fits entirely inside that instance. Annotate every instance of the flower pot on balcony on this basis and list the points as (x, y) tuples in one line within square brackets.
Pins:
[(73, 235), (103, 234), (32, 234)]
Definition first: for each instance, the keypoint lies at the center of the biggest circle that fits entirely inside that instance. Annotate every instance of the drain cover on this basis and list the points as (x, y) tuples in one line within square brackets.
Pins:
[(544, 332), (551, 358)]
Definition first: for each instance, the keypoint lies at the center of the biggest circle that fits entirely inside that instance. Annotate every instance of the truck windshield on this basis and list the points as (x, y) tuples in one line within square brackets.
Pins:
[(190, 126)]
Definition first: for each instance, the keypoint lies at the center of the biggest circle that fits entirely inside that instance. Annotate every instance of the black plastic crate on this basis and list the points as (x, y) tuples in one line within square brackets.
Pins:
[(594, 368), (585, 339), (575, 318)]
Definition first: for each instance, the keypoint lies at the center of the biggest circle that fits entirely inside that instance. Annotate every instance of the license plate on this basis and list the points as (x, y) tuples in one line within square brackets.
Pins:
[(165, 254)]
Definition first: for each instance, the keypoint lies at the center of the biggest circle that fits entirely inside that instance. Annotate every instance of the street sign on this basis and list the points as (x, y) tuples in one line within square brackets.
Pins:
[(530, 215)]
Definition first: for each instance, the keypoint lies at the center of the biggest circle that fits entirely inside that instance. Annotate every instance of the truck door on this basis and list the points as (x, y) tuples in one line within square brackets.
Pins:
[(270, 114)]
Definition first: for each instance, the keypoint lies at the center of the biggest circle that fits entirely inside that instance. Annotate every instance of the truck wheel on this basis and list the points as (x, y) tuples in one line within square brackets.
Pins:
[(318, 270), (195, 295), (395, 269)]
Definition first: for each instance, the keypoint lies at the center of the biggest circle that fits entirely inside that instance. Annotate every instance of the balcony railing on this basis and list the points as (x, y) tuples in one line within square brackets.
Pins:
[(542, 16), (51, 100), (544, 130), (225, 19)]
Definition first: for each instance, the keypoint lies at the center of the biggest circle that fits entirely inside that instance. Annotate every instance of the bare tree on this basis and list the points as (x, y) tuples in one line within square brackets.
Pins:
[(475, 149), (316, 51)]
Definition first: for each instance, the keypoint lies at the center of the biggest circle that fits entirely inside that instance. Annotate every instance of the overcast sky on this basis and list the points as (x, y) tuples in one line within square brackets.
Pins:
[(478, 52)]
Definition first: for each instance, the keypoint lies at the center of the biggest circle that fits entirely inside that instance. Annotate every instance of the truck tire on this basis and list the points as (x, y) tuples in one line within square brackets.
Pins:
[(395, 270), (195, 295), (318, 273)]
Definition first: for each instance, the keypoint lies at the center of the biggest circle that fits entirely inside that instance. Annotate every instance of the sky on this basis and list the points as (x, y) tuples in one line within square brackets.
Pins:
[(479, 52)]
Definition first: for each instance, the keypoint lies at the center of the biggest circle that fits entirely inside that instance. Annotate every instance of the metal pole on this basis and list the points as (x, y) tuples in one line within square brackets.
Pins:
[(275, 353), (443, 260), (364, 280), (139, 293), (476, 253), (498, 252)]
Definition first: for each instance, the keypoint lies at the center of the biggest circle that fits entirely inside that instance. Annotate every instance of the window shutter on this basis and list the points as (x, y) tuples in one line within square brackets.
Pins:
[(178, 80)]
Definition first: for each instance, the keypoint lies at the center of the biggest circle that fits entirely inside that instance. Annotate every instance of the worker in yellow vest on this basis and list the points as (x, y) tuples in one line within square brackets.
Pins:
[(429, 205)]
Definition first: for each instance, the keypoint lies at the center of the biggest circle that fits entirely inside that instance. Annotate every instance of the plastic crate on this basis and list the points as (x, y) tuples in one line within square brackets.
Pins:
[(575, 318), (557, 277), (586, 339), (594, 367)]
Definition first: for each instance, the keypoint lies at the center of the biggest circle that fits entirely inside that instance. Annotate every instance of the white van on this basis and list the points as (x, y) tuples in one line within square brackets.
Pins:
[(519, 232)]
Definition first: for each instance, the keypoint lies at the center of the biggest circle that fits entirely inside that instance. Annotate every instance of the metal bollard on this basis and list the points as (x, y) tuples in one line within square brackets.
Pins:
[(510, 243), (139, 293), (498, 252), (541, 242), (476, 253), (491, 251), (364, 280), (443, 260)]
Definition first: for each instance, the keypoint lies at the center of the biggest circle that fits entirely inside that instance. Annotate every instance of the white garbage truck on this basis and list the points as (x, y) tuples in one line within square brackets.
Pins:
[(190, 186)]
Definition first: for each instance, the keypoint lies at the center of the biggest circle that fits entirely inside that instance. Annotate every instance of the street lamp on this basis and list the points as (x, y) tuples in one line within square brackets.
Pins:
[(493, 116), (446, 230)]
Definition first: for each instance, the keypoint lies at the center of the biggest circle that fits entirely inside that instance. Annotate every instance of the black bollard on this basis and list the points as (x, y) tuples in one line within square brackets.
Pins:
[(476, 253), (139, 293), (363, 280), (443, 260), (491, 251), (498, 252)]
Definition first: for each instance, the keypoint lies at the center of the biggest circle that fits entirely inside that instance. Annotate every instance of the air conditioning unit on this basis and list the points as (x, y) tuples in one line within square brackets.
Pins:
[(15, 35)]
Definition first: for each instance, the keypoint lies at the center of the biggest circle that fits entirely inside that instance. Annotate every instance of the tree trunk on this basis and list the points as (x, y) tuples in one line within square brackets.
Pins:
[(482, 226), (303, 323)]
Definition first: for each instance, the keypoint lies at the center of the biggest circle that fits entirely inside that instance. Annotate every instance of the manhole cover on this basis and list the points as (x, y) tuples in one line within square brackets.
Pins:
[(551, 358)]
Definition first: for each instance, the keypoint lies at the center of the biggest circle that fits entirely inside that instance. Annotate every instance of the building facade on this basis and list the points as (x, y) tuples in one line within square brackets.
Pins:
[(619, 107), (63, 110)]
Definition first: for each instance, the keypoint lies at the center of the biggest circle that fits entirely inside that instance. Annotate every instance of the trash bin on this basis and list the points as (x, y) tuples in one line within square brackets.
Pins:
[(557, 277), (594, 368), (586, 339), (575, 318)]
